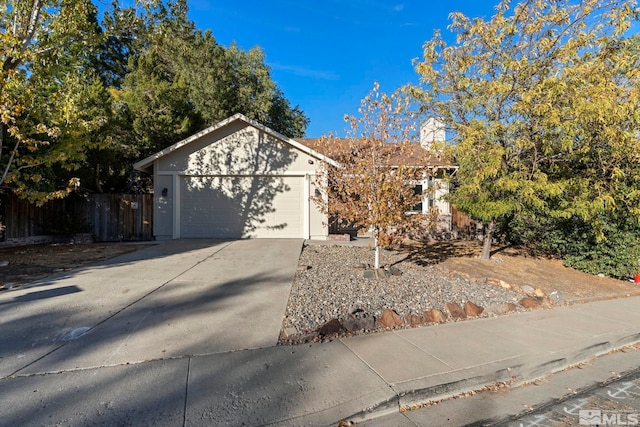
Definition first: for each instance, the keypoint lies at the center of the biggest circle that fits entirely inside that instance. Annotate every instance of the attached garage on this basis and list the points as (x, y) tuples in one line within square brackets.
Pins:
[(211, 208), (237, 179)]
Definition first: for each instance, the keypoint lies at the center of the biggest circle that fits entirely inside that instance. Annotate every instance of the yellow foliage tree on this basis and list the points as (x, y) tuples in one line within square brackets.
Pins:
[(373, 188), (44, 111), (543, 103)]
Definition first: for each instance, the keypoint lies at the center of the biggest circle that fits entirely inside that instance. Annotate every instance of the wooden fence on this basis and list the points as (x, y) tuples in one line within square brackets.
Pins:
[(463, 225), (107, 217), (459, 220)]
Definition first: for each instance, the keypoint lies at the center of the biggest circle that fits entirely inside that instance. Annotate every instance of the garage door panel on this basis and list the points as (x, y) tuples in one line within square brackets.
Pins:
[(234, 207)]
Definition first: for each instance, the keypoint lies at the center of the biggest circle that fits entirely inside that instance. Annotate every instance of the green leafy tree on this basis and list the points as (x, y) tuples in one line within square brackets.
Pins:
[(227, 80), (179, 80), (81, 100), (158, 104), (44, 93), (536, 97)]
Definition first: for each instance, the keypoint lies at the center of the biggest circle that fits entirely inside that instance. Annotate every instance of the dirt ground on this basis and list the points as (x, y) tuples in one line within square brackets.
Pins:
[(33, 262), (514, 266)]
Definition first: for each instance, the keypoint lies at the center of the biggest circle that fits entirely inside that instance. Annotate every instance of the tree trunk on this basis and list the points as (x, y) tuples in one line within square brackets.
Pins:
[(376, 263), (488, 237)]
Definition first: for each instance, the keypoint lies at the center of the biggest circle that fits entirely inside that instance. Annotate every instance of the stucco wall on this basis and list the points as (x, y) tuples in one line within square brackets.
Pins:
[(236, 149), (163, 207), (318, 228)]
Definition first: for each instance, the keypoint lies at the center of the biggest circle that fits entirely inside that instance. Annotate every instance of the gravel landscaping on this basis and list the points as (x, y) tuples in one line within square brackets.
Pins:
[(336, 282)]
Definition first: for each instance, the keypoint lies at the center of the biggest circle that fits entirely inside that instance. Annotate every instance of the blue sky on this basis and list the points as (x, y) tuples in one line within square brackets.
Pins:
[(326, 55)]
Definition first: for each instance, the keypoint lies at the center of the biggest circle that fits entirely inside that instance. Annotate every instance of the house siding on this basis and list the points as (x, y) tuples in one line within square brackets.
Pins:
[(237, 149)]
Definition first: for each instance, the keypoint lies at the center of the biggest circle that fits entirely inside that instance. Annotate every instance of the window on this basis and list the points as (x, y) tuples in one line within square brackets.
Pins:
[(417, 190), (432, 193)]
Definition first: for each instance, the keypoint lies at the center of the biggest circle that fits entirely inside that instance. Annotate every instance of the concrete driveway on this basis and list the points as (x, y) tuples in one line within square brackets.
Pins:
[(166, 301)]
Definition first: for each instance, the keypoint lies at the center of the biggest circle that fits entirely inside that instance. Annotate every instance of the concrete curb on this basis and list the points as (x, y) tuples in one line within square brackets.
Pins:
[(518, 371)]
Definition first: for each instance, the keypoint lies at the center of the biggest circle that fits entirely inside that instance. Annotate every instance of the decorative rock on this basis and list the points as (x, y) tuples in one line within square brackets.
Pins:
[(390, 319), (529, 303), (556, 298), (434, 316), (289, 332), (505, 285), (332, 327), (395, 271), (369, 274), (415, 320), (493, 282), (356, 324), (527, 289), (496, 309), (302, 267), (499, 309), (454, 310), (538, 292), (472, 310), (335, 288)]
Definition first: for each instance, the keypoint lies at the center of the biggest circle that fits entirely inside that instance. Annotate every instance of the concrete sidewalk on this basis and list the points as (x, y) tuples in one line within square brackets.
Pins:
[(130, 371), (354, 379)]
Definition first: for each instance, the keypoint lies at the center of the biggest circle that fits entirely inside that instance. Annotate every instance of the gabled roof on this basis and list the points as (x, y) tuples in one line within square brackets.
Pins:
[(415, 155), (146, 163)]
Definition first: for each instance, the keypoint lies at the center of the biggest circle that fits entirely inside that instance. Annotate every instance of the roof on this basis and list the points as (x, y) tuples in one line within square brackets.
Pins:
[(414, 155), (148, 162)]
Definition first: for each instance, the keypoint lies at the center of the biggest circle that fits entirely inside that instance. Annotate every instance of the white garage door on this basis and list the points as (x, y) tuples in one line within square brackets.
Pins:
[(234, 207)]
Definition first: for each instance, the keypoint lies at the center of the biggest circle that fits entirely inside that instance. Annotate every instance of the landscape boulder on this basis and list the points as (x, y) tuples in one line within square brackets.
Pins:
[(434, 316), (454, 310), (529, 303), (332, 327), (355, 324), (389, 319), (472, 310), (415, 320)]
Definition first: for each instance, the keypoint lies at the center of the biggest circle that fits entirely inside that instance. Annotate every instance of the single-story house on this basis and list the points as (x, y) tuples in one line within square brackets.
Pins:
[(433, 186), (240, 179), (236, 179)]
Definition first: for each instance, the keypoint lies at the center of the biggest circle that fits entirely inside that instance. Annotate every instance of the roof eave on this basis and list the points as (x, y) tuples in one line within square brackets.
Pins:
[(147, 162)]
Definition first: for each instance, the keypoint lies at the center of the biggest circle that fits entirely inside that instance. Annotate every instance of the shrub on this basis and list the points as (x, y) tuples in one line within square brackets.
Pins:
[(611, 247)]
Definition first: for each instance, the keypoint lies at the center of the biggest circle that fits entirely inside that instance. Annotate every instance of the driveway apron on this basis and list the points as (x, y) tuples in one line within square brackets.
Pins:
[(171, 300)]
